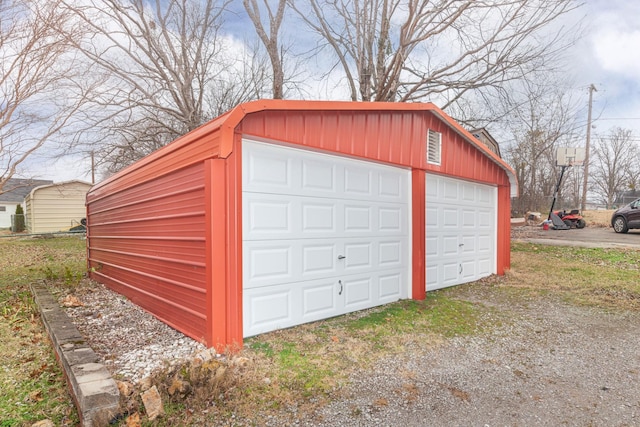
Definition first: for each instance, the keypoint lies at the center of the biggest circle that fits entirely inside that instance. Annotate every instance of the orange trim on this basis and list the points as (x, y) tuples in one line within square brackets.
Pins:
[(503, 250), (216, 218), (418, 213), (235, 331)]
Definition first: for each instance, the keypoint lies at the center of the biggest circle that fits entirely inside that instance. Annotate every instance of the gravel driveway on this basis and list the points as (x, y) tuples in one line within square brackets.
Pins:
[(553, 365), (594, 237)]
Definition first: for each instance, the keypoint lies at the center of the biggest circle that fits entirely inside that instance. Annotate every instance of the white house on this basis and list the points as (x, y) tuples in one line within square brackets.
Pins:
[(15, 191)]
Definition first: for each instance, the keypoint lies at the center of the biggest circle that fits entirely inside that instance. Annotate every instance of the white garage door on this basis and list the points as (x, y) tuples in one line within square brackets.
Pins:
[(322, 236), (460, 231)]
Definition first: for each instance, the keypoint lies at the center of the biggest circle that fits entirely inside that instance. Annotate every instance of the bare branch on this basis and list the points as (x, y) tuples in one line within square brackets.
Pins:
[(399, 50), (38, 75)]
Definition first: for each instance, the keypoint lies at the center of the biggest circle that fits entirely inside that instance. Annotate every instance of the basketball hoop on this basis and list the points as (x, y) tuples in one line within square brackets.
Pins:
[(570, 156)]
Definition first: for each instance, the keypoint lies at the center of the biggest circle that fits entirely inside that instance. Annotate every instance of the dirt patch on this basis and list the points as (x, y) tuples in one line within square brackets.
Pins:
[(599, 218)]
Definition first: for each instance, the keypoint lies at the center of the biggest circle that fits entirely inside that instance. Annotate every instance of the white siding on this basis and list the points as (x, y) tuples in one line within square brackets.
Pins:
[(56, 207)]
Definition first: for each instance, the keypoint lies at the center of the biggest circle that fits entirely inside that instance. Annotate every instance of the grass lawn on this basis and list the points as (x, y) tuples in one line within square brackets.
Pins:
[(303, 366), (32, 386)]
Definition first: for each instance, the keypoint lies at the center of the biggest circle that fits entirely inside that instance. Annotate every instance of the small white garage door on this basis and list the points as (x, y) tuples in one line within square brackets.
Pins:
[(323, 235), (460, 231)]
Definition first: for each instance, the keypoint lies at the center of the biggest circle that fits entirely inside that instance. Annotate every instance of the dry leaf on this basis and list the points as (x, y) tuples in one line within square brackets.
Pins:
[(71, 301)]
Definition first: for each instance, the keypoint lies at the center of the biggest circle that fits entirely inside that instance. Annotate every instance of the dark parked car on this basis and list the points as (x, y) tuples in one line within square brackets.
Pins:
[(626, 217)]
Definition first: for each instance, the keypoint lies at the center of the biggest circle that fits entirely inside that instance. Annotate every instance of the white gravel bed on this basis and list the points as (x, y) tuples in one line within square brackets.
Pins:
[(131, 342)]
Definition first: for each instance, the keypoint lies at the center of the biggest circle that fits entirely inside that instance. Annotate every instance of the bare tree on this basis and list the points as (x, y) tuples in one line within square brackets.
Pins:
[(166, 65), (614, 166), (38, 93), (544, 121), (270, 40), (407, 50)]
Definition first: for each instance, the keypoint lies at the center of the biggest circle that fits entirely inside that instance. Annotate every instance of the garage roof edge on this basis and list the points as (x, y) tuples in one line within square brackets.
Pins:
[(235, 117)]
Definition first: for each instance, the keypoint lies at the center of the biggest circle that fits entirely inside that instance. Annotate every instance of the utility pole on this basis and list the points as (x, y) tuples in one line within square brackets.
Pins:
[(585, 177), (93, 168)]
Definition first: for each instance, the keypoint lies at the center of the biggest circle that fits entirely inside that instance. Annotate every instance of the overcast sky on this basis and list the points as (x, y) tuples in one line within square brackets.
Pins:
[(608, 56)]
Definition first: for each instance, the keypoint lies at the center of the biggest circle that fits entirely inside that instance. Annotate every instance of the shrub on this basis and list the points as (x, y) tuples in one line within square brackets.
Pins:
[(18, 223)]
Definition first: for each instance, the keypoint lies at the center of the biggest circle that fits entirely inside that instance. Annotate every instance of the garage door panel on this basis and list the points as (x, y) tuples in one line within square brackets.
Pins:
[(280, 306), (449, 246), (468, 194), (267, 170), (267, 309), (485, 196), (318, 217), (391, 186), (390, 287), (468, 272), (269, 216), (450, 191), (433, 276), (358, 181), (319, 176), (270, 263), (318, 300), (391, 219), (468, 245), (485, 266), (431, 247), (358, 255), (432, 217), (449, 217), (358, 218), (358, 292), (326, 236), (485, 243), (319, 258), (286, 261), (450, 271), (468, 218), (485, 219), (460, 231), (390, 254)]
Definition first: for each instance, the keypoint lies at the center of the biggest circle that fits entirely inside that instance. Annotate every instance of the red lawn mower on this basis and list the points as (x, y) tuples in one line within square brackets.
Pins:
[(572, 219)]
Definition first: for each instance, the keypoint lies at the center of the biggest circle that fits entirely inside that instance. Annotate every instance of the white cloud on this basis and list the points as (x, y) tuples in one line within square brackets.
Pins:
[(617, 51)]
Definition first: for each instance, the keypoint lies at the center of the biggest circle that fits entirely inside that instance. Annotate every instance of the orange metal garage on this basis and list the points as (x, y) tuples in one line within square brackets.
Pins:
[(285, 212)]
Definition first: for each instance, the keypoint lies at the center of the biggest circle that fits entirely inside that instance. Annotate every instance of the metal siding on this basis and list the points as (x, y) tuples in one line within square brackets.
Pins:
[(386, 136), (504, 230), (147, 242), (460, 159), (183, 152)]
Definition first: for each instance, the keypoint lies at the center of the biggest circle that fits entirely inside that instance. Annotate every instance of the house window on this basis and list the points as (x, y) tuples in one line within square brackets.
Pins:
[(434, 147), (3, 208)]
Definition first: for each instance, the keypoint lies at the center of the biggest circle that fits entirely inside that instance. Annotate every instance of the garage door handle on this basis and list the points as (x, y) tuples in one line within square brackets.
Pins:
[(341, 257), (460, 272), (340, 282)]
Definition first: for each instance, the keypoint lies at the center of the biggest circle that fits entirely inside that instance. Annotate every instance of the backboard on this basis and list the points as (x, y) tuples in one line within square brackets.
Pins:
[(570, 156)]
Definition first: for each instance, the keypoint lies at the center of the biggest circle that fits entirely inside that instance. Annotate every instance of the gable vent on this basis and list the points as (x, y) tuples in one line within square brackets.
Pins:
[(434, 145)]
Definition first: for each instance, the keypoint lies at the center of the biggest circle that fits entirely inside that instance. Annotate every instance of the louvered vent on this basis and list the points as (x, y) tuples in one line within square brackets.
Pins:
[(434, 144)]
